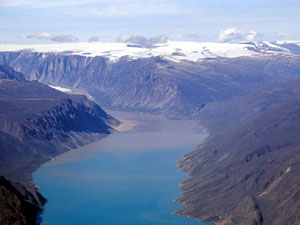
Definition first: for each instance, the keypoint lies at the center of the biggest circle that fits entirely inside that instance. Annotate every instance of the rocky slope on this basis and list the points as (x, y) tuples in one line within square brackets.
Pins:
[(154, 84), (219, 115), (18, 206), (9, 73), (36, 124), (247, 173)]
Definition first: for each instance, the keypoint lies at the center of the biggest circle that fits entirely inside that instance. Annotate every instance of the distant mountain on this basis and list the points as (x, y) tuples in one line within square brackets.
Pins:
[(247, 171), (228, 113), (37, 123), (155, 84), (172, 50), (9, 73)]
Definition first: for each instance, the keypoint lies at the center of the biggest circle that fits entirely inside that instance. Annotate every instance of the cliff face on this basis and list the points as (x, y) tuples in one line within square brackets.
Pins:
[(64, 127), (7, 72), (37, 123), (18, 206), (154, 84), (248, 172), (39, 117)]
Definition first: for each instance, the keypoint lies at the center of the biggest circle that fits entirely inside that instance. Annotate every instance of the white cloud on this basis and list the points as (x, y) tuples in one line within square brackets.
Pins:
[(43, 35), (251, 35), (189, 36), (159, 39), (97, 38), (142, 41), (56, 38), (94, 39), (231, 34), (64, 38)]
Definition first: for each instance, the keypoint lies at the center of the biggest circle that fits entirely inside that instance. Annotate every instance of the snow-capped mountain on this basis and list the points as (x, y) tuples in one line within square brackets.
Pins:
[(182, 80), (173, 50), (178, 77)]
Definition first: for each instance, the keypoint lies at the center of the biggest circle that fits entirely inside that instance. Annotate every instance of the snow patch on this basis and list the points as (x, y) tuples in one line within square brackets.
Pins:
[(66, 90)]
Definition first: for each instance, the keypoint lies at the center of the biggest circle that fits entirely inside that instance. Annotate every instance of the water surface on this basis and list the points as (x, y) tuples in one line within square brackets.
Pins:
[(127, 178)]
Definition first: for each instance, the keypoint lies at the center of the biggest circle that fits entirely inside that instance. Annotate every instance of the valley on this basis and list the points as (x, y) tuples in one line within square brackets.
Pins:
[(131, 174), (246, 96)]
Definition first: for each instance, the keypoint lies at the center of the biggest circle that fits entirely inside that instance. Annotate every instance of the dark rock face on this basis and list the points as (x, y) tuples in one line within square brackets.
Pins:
[(154, 84), (248, 172), (18, 206), (7, 72), (39, 117), (37, 123)]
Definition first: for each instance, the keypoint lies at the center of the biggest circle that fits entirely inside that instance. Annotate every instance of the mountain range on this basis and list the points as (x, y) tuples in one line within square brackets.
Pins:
[(156, 84), (245, 95)]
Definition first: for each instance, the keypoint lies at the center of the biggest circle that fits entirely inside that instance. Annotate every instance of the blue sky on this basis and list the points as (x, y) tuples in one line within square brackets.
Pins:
[(21, 21)]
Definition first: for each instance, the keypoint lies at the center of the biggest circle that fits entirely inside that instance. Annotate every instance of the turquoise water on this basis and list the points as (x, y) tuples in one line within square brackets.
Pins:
[(127, 178)]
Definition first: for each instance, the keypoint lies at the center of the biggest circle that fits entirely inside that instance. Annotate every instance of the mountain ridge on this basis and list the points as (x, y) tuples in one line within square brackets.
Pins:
[(154, 84), (38, 123), (245, 167)]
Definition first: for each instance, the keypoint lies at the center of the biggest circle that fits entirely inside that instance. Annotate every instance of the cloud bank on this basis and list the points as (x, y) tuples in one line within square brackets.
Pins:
[(189, 36), (63, 38), (232, 34), (97, 38), (142, 41), (94, 39)]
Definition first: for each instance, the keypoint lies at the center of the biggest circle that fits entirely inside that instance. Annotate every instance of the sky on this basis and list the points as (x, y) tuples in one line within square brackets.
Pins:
[(55, 21)]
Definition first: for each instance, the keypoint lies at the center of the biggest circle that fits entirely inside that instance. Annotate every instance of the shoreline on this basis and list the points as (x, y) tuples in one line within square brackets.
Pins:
[(187, 177), (34, 188), (124, 126), (131, 125), (127, 125)]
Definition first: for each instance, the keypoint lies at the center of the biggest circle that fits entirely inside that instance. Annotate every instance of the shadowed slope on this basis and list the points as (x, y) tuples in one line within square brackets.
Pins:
[(248, 172)]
